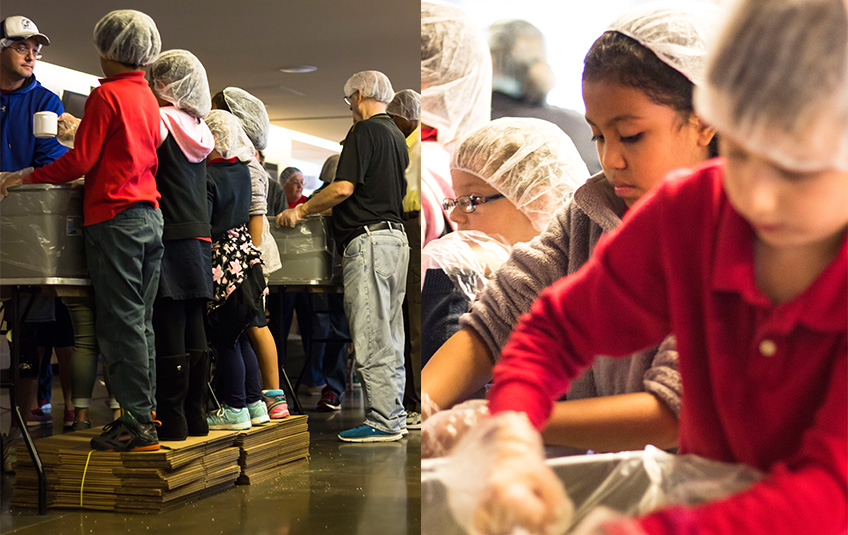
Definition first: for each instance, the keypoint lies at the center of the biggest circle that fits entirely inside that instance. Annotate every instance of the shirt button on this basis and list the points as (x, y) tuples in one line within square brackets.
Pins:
[(768, 348)]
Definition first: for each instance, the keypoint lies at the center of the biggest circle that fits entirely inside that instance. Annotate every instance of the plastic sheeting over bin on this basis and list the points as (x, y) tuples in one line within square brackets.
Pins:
[(41, 232), (632, 483), (307, 252)]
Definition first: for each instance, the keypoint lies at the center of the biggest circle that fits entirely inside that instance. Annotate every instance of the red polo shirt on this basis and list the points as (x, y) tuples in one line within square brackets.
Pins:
[(765, 385), (115, 148)]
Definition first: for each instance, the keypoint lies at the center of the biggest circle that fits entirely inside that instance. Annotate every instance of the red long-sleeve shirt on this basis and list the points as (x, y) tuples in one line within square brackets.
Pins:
[(765, 385), (115, 148)]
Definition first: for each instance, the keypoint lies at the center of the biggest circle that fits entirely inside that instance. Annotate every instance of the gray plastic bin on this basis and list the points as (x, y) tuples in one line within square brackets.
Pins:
[(41, 232), (307, 252)]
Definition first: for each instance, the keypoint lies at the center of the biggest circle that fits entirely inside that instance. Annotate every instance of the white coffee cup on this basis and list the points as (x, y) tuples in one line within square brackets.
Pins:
[(45, 124)]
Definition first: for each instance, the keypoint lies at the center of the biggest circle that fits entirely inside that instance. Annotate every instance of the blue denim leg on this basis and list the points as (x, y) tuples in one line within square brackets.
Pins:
[(374, 266), (123, 256), (334, 366)]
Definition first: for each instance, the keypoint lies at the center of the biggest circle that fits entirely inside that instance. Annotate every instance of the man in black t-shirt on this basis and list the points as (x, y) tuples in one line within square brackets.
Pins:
[(366, 197)]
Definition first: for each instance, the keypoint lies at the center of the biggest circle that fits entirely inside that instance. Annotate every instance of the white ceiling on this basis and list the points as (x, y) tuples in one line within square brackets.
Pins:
[(244, 43)]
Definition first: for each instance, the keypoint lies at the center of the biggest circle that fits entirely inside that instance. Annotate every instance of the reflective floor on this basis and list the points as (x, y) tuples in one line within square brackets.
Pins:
[(342, 489)]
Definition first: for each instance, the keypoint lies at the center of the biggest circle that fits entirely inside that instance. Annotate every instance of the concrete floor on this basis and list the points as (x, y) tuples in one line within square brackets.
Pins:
[(342, 488)]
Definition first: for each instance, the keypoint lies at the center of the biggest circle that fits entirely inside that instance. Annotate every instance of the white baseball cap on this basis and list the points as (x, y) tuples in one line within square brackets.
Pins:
[(18, 28)]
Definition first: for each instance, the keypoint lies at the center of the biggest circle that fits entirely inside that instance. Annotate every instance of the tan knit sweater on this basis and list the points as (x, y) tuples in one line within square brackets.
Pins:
[(562, 249)]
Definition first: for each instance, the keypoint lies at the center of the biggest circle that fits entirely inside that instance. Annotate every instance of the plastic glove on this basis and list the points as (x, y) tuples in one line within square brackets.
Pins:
[(444, 429), (289, 217), (498, 482), (605, 521), (67, 129), (12, 179), (428, 406)]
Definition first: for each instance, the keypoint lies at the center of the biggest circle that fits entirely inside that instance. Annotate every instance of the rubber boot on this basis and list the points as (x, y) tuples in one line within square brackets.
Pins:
[(172, 377), (198, 394)]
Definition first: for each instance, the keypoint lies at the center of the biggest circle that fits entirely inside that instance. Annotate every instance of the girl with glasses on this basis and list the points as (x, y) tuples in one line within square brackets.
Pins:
[(510, 175)]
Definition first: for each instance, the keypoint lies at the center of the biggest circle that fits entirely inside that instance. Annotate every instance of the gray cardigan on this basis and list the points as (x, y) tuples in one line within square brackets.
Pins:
[(560, 250)]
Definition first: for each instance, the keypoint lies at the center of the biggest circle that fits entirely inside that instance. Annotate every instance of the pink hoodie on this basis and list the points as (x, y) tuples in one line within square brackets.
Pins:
[(192, 135)]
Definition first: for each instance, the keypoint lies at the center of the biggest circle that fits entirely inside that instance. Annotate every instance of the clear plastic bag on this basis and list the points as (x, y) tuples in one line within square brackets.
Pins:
[(630, 483)]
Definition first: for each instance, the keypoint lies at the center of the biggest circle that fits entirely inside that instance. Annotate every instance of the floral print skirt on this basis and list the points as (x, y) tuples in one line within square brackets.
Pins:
[(232, 255)]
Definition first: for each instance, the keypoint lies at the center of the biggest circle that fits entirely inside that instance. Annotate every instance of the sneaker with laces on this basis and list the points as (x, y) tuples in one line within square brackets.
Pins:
[(366, 433), (329, 402), (70, 418), (39, 417), (228, 418), (127, 434), (275, 400), (258, 413), (81, 426), (413, 420)]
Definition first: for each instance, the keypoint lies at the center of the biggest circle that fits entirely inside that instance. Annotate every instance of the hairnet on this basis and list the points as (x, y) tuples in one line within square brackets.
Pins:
[(468, 257), (230, 139), (287, 173), (251, 113), (777, 82), (456, 72), (531, 161), (407, 104), (518, 60), (127, 36), (184, 82), (677, 31), (328, 170), (371, 84)]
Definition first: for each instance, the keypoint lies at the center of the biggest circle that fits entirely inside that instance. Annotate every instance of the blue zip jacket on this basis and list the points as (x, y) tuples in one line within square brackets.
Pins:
[(20, 148)]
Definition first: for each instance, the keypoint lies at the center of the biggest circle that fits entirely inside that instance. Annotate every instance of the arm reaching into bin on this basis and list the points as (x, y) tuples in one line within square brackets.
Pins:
[(329, 197), (12, 179)]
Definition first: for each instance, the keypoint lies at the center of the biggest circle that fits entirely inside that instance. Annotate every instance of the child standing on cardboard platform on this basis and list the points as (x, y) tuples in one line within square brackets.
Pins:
[(115, 148), (237, 275), (178, 80)]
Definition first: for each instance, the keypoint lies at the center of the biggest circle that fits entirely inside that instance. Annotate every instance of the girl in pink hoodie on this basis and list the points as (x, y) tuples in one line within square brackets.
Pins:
[(179, 82)]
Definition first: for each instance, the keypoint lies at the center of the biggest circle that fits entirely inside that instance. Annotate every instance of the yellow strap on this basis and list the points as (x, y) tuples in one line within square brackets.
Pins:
[(84, 470)]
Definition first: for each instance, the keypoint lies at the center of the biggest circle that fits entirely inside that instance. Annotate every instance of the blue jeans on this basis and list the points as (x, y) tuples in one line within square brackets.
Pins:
[(329, 322), (374, 266), (123, 256)]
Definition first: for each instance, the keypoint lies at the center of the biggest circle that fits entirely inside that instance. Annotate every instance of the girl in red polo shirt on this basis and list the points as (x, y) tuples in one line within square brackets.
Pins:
[(747, 266)]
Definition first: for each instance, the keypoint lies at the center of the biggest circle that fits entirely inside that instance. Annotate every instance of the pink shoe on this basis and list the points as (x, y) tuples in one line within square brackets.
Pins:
[(70, 417), (38, 417), (275, 400)]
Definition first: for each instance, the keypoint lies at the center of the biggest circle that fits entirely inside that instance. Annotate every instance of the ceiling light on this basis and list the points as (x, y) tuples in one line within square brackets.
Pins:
[(298, 69)]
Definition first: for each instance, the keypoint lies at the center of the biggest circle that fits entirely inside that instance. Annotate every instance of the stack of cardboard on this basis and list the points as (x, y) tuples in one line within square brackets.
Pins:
[(151, 482), (265, 448)]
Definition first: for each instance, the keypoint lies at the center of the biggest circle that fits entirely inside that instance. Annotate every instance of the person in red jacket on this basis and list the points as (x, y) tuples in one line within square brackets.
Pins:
[(747, 266), (115, 148)]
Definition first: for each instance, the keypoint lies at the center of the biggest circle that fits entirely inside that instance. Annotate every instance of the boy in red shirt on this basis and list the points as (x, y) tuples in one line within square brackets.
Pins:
[(115, 148), (747, 267)]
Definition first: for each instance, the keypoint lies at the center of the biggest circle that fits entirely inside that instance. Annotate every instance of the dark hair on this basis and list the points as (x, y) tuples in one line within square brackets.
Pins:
[(617, 57), (219, 103)]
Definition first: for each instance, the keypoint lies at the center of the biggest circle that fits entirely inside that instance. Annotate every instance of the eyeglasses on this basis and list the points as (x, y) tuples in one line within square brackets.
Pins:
[(347, 98), (468, 203), (23, 50)]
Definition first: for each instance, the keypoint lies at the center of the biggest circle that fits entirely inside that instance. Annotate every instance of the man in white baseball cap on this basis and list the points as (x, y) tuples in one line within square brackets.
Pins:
[(22, 96)]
